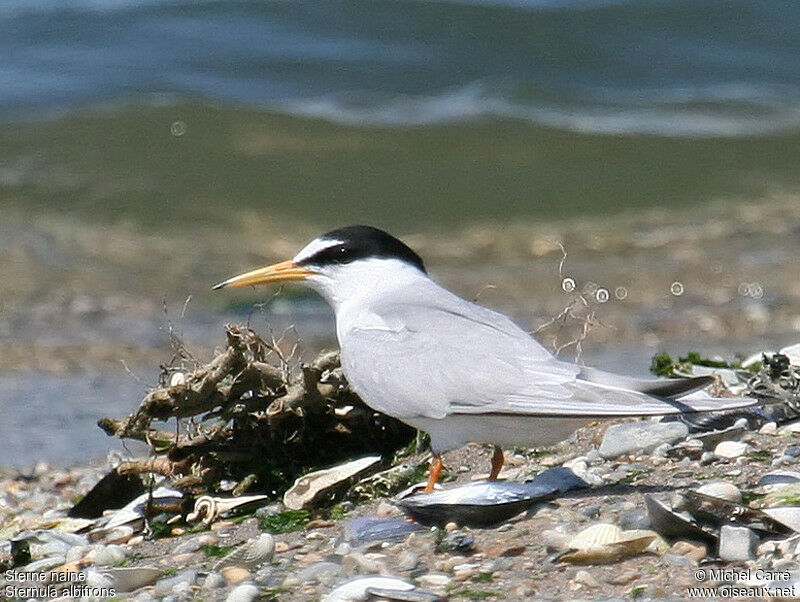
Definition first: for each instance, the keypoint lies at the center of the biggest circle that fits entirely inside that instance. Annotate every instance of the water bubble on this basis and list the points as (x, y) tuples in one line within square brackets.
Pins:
[(177, 128), (620, 292), (744, 289), (756, 290), (568, 285), (601, 295), (676, 288)]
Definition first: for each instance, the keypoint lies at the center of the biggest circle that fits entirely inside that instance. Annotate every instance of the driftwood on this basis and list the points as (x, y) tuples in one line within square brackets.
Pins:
[(247, 418)]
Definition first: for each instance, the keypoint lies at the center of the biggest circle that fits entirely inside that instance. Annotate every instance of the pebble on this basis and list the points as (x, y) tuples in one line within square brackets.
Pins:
[(793, 451), (585, 578), (590, 511), (235, 574), (44, 564), (247, 592), (321, 572), (435, 580), (636, 518), (189, 546), (75, 553), (693, 551), (645, 436), (165, 586), (109, 555), (737, 543), (407, 561), (214, 581), (357, 563), (770, 428), (731, 449), (707, 458)]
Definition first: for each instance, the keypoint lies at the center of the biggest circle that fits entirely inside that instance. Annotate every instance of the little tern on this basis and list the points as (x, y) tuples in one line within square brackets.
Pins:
[(457, 370)]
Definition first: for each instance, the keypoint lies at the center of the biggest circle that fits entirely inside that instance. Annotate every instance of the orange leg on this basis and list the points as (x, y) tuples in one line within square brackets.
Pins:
[(497, 463), (434, 472)]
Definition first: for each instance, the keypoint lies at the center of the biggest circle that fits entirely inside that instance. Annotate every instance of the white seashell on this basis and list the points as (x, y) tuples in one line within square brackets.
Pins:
[(309, 487), (356, 589), (177, 379), (597, 535), (606, 543), (208, 508), (250, 555), (722, 490), (130, 579)]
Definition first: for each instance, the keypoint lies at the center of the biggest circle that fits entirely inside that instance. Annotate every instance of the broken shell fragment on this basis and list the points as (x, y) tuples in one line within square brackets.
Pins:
[(313, 485), (210, 508), (489, 503)]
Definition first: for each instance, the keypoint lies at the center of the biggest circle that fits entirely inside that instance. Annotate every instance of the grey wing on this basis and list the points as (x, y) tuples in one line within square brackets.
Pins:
[(454, 357)]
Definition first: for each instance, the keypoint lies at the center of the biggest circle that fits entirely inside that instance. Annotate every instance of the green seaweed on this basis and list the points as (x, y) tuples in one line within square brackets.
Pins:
[(216, 551), (285, 522)]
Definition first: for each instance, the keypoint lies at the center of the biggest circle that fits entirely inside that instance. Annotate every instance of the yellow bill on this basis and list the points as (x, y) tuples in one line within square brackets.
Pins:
[(279, 272)]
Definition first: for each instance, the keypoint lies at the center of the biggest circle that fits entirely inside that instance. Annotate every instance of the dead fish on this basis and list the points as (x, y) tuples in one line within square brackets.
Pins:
[(309, 487), (606, 543), (489, 503)]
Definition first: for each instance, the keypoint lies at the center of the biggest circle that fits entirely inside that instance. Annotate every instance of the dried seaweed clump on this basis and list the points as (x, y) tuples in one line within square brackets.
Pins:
[(248, 418)]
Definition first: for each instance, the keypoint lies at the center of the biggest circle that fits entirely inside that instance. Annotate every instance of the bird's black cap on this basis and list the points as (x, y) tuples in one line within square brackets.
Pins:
[(361, 242)]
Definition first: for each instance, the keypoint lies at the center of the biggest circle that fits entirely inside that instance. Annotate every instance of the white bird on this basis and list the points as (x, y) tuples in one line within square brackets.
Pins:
[(459, 371)]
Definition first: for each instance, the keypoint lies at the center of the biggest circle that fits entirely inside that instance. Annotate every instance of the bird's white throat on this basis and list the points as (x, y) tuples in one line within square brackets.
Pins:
[(358, 282)]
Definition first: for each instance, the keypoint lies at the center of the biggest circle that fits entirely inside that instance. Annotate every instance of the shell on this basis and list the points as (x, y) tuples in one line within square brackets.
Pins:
[(250, 555), (356, 589), (489, 503), (788, 516), (210, 508), (722, 490), (606, 543), (597, 535), (130, 579), (309, 487), (669, 523)]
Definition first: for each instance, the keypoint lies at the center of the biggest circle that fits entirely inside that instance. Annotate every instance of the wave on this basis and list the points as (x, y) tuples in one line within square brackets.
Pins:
[(629, 67), (726, 110)]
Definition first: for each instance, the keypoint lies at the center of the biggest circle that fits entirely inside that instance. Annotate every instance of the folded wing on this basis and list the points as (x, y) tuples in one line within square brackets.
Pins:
[(454, 357)]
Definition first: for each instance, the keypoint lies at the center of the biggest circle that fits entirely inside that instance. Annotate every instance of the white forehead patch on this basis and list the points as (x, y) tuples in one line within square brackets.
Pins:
[(314, 247)]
